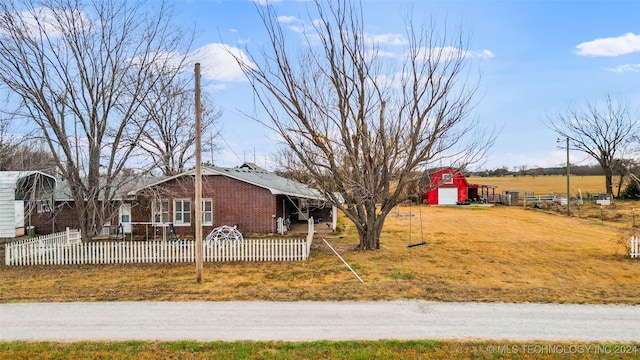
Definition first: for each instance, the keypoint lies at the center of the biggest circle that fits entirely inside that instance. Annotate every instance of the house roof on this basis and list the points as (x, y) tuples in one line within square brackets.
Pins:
[(277, 185), (252, 166), (12, 177), (124, 186), (27, 183)]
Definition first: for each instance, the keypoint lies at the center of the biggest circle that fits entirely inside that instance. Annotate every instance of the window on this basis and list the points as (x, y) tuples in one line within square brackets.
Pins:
[(182, 212), (160, 211), (447, 179), (207, 212), (42, 206)]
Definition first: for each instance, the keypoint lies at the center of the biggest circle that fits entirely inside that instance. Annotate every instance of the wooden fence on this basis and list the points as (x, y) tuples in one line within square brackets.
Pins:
[(635, 247), (179, 251)]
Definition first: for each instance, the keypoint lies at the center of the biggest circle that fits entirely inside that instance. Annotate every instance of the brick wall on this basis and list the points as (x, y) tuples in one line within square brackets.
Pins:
[(234, 203), (66, 216)]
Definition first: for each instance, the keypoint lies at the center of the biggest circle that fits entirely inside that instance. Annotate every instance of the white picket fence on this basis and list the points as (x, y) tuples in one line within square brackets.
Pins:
[(635, 247), (41, 246), (179, 251), (61, 238)]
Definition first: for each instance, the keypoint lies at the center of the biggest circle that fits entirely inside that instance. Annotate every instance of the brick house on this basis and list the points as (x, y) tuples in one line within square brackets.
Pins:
[(250, 199), (247, 196)]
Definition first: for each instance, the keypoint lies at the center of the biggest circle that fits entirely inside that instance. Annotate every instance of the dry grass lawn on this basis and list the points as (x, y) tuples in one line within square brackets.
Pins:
[(543, 185), (473, 253)]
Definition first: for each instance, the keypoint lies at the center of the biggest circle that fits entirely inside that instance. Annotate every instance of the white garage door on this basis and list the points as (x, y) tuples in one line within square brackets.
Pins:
[(447, 196)]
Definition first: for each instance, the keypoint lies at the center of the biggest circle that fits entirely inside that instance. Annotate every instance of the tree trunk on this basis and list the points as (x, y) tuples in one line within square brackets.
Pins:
[(369, 234), (620, 185), (609, 181)]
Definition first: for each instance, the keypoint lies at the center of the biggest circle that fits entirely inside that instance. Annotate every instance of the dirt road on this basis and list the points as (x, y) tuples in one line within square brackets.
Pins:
[(303, 321)]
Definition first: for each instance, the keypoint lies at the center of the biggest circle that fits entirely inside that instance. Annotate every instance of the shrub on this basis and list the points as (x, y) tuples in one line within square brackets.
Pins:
[(632, 191)]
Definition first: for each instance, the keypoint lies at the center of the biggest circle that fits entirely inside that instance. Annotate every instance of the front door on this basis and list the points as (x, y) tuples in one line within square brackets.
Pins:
[(125, 217)]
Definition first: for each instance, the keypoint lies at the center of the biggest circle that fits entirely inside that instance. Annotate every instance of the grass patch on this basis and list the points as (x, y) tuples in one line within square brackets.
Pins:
[(477, 207), (384, 349), (399, 274)]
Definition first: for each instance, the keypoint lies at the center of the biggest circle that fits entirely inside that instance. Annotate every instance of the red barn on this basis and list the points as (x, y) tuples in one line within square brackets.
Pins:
[(449, 187)]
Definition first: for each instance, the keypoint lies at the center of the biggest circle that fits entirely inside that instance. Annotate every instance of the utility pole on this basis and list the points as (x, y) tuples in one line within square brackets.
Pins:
[(198, 179), (568, 181)]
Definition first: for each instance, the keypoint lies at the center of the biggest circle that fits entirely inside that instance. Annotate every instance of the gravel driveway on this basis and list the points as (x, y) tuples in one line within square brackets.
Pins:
[(302, 321)]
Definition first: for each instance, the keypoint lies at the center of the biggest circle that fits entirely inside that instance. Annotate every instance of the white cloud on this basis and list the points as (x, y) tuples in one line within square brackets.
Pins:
[(612, 46), (449, 53), (41, 20), (484, 54), (297, 28), (265, 2), (394, 81), (218, 63), (373, 54), (386, 39), (287, 19), (625, 68)]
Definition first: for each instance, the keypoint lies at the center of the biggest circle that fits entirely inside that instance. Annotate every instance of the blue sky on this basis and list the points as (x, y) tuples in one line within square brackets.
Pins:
[(538, 57)]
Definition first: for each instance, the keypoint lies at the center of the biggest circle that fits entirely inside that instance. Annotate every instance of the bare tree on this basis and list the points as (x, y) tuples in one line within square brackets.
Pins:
[(81, 70), (362, 125), (21, 152), (288, 166), (601, 130), (7, 144), (166, 124)]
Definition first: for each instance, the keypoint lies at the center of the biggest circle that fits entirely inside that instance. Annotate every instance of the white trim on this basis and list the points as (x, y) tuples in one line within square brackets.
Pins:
[(155, 212), (182, 212), (204, 212)]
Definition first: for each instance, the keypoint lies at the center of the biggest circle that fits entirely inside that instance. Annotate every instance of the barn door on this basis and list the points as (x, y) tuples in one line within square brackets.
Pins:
[(447, 196)]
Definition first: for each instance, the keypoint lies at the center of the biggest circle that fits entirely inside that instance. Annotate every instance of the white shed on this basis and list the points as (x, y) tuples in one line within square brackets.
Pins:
[(16, 187)]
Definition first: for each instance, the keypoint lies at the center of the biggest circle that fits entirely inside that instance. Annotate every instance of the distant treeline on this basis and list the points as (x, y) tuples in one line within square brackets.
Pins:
[(581, 170)]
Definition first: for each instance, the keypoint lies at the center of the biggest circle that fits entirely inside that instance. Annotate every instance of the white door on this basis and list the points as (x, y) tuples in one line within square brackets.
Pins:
[(125, 217), (447, 195)]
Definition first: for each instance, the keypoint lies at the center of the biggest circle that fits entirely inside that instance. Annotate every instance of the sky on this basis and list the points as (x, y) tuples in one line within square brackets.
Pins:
[(535, 59)]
